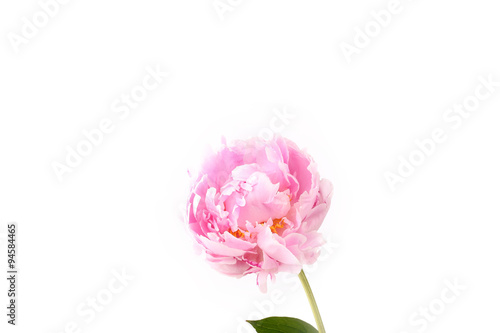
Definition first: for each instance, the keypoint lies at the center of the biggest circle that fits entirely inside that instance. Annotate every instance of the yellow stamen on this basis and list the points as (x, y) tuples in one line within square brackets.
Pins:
[(237, 233), (277, 224)]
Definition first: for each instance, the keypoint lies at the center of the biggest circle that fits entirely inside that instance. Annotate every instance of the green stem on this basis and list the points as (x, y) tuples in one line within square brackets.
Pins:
[(312, 302)]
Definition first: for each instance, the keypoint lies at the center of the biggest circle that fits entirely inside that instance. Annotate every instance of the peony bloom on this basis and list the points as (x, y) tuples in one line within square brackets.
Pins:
[(256, 206)]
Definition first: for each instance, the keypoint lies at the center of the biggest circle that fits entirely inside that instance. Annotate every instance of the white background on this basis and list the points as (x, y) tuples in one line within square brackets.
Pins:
[(121, 207)]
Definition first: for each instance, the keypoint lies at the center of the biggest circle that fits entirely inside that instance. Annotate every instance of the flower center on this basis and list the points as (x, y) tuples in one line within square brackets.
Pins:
[(277, 224), (237, 233)]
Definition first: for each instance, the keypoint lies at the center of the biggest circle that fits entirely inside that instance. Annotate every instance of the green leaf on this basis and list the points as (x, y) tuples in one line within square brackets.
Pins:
[(282, 325)]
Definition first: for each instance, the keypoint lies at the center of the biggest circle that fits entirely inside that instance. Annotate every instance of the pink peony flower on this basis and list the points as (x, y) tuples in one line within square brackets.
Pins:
[(256, 206)]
